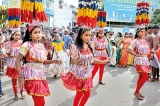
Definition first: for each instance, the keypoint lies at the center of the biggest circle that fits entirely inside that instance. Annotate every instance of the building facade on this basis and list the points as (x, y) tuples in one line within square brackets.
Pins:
[(64, 15), (49, 9)]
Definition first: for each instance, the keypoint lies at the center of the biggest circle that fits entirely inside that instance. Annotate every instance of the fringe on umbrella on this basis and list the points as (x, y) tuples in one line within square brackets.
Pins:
[(101, 19), (142, 13), (32, 9), (14, 19), (87, 13)]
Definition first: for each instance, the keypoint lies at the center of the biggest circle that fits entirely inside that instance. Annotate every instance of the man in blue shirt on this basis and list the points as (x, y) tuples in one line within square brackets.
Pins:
[(67, 41)]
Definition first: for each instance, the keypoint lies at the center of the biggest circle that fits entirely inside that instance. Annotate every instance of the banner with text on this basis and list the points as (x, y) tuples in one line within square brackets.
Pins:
[(124, 10)]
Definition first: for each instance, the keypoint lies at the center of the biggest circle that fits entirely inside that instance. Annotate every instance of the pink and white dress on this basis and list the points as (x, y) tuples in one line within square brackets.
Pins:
[(35, 79), (100, 48), (12, 49), (79, 76), (142, 63)]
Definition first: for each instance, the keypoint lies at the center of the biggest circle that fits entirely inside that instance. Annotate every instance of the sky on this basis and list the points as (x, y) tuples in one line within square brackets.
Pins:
[(72, 2)]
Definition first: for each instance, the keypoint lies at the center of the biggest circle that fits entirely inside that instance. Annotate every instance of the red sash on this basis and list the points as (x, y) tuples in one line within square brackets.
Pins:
[(158, 53)]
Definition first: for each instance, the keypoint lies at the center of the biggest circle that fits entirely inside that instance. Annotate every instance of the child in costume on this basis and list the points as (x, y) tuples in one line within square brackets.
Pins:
[(11, 49), (79, 77), (34, 55)]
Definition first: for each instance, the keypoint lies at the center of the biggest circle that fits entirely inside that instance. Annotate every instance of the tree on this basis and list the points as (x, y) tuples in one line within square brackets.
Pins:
[(5, 16), (156, 17), (101, 4)]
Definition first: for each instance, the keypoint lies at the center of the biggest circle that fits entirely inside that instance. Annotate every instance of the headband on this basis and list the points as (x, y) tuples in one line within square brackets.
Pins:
[(15, 30), (34, 24)]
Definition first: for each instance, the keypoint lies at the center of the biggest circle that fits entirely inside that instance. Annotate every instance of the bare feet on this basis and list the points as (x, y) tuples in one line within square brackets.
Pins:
[(23, 96), (142, 96), (137, 95), (152, 80), (16, 97)]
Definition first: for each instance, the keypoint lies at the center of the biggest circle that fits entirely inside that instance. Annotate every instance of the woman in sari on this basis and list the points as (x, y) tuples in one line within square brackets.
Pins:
[(123, 62), (117, 39), (131, 57)]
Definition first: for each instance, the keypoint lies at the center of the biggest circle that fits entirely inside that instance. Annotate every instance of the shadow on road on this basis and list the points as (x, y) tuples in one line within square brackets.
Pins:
[(115, 72), (8, 103)]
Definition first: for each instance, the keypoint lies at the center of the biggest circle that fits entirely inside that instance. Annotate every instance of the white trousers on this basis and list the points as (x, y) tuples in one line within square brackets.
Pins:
[(67, 59)]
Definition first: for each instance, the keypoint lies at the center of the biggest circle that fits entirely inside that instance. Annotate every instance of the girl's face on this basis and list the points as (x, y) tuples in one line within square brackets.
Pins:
[(127, 35), (57, 37), (101, 34), (36, 34), (141, 33), (16, 36), (118, 35), (86, 36), (130, 35)]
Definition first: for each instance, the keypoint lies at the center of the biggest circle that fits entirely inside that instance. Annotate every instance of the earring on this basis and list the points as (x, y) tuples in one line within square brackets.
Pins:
[(30, 38)]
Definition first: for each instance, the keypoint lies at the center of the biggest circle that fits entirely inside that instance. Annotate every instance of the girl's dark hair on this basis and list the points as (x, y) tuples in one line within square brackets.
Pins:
[(97, 34), (79, 42), (27, 38), (12, 36), (120, 34), (138, 30)]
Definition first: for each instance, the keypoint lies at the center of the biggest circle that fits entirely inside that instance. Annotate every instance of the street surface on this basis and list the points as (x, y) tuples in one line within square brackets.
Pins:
[(118, 91)]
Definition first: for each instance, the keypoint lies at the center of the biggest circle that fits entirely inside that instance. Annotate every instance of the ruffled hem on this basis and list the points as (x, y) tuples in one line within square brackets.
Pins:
[(73, 83), (12, 72), (37, 87), (141, 68)]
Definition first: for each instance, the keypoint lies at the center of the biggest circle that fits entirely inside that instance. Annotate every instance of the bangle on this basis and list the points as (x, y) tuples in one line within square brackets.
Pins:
[(20, 77)]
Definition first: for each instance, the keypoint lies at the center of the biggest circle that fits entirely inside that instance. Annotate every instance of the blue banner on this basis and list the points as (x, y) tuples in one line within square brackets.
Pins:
[(124, 10)]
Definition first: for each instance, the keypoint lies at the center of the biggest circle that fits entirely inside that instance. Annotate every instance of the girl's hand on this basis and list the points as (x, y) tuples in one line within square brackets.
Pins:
[(59, 62), (21, 82), (106, 61)]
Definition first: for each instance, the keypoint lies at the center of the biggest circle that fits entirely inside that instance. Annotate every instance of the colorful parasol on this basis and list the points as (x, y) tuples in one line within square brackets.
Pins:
[(101, 19), (87, 13), (142, 13), (32, 9)]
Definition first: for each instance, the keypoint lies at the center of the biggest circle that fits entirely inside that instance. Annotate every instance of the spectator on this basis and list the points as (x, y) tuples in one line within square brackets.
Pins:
[(67, 42)]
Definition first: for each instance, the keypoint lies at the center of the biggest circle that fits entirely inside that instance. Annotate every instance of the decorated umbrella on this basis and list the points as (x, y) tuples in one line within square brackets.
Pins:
[(101, 19), (142, 13), (87, 13), (14, 14), (32, 9)]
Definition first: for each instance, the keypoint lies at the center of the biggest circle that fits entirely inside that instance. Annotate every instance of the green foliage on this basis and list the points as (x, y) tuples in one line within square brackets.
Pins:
[(5, 16), (156, 17)]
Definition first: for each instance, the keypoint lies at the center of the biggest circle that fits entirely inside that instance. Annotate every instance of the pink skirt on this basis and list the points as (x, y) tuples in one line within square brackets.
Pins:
[(72, 83)]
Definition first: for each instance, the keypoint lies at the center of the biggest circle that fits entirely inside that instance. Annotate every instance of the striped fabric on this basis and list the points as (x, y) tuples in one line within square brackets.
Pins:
[(32, 9), (14, 17), (87, 13), (142, 13), (101, 19)]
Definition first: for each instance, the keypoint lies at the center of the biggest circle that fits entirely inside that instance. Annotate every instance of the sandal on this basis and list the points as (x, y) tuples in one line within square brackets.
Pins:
[(55, 76), (2, 94), (101, 83)]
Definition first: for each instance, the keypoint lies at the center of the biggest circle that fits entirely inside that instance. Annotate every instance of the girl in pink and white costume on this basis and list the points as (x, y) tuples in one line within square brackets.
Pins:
[(79, 77), (100, 52), (11, 50), (34, 55)]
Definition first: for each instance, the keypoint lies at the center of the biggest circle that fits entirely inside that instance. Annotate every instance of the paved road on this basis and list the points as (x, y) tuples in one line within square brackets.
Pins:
[(118, 91)]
